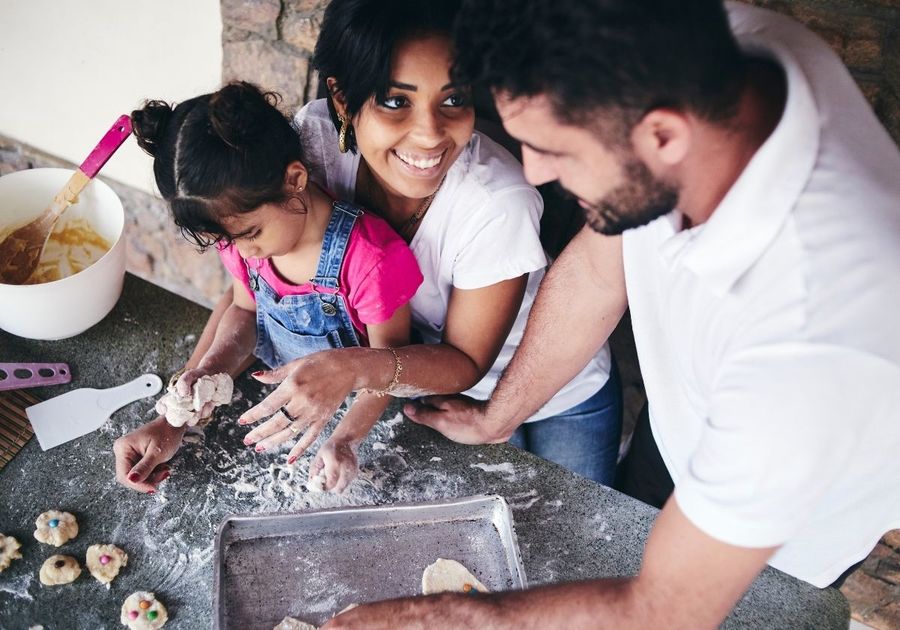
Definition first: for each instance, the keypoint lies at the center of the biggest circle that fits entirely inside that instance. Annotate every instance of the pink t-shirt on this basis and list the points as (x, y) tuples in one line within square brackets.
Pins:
[(378, 276)]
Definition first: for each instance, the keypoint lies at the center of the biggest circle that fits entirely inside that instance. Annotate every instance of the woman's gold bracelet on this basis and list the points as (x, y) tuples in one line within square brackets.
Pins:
[(398, 367)]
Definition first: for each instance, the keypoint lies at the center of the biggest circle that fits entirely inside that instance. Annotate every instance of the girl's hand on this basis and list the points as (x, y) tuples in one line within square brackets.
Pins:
[(141, 455), (312, 388), (186, 381), (337, 461)]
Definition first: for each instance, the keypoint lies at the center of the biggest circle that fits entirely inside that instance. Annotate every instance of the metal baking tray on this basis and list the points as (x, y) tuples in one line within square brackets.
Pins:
[(310, 565)]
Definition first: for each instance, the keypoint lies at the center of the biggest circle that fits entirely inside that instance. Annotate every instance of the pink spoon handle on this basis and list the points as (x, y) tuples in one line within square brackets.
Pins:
[(107, 146), (22, 375)]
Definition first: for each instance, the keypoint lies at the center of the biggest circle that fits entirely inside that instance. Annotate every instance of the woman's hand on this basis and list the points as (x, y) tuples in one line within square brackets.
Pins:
[(141, 455), (337, 462), (311, 390)]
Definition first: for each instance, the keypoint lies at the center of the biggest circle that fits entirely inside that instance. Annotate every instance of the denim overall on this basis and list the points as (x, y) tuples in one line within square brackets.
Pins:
[(297, 325)]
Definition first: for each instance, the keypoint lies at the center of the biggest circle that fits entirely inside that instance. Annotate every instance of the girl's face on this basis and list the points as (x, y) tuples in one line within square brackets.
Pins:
[(411, 139), (270, 230)]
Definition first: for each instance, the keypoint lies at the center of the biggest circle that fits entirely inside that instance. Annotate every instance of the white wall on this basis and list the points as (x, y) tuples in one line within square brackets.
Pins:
[(69, 68)]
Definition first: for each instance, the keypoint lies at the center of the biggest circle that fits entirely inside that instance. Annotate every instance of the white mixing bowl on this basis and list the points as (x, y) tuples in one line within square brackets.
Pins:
[(66, 307)]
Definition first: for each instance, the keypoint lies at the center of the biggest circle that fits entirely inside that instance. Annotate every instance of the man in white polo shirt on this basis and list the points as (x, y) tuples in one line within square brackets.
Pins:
[(744, 202)]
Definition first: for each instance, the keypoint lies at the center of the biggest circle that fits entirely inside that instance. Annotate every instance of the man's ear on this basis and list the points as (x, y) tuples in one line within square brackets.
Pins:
[(296, 177), (662, 137), (337, 96)]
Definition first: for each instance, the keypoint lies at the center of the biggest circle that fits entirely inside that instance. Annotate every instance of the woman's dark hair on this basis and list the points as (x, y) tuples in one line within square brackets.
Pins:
[(629, 56), (358, 39), (217, 155)]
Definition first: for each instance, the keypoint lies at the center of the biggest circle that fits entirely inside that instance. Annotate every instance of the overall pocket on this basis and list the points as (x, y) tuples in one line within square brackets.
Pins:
[(289, 345)]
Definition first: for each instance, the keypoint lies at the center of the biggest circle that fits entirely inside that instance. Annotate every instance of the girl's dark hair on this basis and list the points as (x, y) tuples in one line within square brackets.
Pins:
[(357, 42), (629, 56), (217, 155)]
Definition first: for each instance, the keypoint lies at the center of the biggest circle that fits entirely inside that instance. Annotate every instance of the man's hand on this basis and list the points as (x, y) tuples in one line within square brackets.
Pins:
[(141, 455), (446, 610), (459, 418)]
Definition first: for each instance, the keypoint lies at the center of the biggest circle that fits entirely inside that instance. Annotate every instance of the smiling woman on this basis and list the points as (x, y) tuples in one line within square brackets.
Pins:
[(396, 135)]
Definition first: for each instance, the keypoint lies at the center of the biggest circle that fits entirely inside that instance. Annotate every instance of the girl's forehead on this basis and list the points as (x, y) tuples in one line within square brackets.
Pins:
[(235, 223)]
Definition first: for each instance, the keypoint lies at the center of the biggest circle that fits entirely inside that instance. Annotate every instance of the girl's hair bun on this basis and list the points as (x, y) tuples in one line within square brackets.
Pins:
[(150, 123), (239, 113)]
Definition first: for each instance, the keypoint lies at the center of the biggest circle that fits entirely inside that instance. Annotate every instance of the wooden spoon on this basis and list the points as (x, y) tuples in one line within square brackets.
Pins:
[(21, 250)]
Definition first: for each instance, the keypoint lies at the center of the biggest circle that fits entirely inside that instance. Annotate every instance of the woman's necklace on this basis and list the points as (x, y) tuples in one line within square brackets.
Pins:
[(410, 224), (407, 227)]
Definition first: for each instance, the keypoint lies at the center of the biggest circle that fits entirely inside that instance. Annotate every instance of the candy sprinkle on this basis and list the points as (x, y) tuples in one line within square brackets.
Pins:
[(133, 614), (144, 604), (151, 614), (104, 559), (54, 522)]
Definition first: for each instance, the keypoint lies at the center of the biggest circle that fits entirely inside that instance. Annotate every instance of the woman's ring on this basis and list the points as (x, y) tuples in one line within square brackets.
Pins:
[(293, 425)]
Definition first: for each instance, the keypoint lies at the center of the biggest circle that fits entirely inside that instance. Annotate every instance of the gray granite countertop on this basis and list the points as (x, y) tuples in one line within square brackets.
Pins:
[(568, 528)]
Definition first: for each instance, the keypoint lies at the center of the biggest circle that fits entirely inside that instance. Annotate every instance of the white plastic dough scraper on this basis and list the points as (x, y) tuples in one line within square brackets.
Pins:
[(76, 413)]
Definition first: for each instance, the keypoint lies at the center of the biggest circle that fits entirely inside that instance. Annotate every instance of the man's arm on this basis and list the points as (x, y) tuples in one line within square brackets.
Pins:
[(578, 305), (687, 580)]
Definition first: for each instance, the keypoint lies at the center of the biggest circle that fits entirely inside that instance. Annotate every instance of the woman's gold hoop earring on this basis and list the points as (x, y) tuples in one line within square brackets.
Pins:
[(342, 136)]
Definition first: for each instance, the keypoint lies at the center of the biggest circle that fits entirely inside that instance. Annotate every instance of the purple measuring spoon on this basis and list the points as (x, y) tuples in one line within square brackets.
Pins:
[(24, 375)]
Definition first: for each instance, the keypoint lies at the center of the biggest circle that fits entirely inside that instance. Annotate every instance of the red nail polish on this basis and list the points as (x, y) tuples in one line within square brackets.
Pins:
[(151, 491), (257, 373), (164, 477), (248, 442), (133, 477), (291, 460), (260, 448)]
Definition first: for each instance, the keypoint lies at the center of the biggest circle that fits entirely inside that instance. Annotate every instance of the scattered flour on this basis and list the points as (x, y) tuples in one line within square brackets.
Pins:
[(524, 500), (17, 587)]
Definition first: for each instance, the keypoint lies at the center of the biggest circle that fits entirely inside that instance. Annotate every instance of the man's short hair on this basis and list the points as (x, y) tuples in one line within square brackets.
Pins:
[(627, 55)]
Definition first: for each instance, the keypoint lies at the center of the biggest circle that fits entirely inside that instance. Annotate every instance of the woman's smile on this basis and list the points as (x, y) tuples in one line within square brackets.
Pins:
[(425, 165)]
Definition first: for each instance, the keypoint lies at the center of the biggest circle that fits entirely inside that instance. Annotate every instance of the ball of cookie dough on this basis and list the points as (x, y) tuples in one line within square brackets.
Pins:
[(55, 528), (105, 561), (9, 551), (59, 570), (289, 623), (142, 611)]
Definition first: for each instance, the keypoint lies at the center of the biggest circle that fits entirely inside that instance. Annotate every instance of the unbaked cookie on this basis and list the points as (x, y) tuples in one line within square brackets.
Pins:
[(105, 561), (59, 570), (55, 528), (9, 551), (449, 575), (289, 623), (142, 611)]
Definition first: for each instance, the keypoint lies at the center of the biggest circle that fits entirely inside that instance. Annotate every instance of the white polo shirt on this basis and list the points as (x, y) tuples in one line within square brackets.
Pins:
[(769, 337)]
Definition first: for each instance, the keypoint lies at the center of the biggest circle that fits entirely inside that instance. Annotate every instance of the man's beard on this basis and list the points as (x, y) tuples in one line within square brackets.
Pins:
[(638, 201)]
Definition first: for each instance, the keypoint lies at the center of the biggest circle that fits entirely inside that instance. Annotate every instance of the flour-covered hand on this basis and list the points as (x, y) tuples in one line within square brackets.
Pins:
[(337, 462), (312, 389)]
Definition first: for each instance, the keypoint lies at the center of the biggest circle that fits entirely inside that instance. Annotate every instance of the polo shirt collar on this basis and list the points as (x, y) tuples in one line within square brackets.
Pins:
[(754, 210)]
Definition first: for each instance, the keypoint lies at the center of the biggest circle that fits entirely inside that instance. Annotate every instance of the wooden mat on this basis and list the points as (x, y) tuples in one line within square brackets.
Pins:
[(15, 430)]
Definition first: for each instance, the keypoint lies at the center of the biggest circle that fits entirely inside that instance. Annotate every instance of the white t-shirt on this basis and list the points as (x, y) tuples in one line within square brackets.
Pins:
[(768, 337), (481, 228)]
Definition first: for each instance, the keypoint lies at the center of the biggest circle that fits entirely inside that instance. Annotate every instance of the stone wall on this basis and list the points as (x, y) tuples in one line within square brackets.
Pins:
[(270, 43)]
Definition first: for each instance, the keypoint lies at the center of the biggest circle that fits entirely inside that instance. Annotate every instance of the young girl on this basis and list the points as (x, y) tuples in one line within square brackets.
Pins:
[(310, 273)]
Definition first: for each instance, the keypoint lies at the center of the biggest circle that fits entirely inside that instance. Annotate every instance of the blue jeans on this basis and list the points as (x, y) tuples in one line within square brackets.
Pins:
[(585, 438)]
